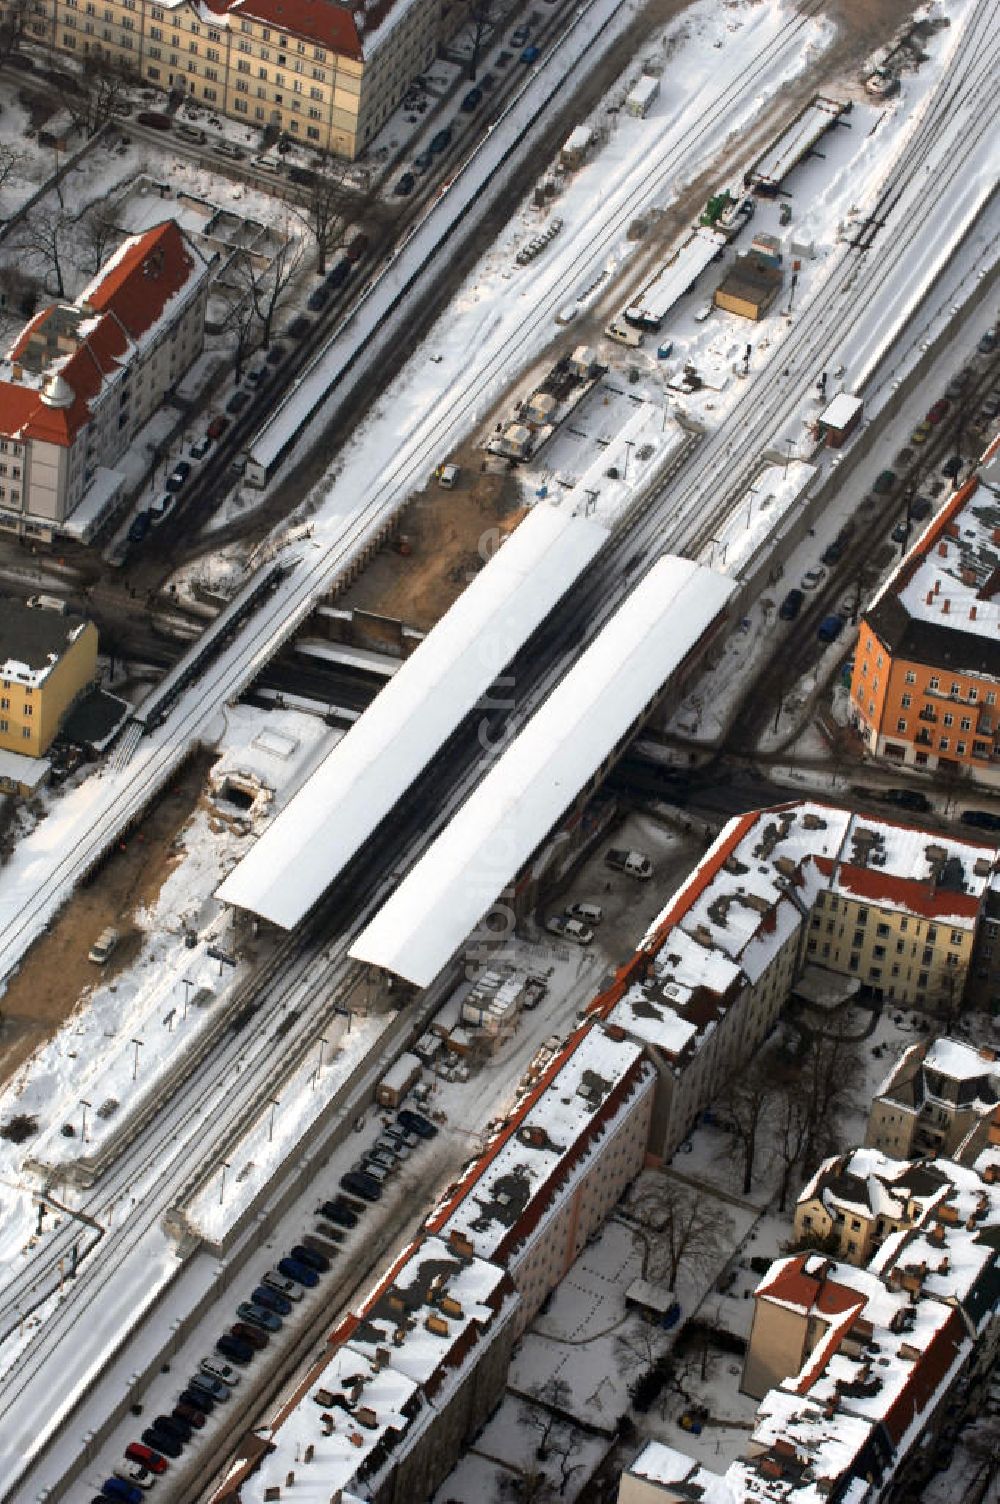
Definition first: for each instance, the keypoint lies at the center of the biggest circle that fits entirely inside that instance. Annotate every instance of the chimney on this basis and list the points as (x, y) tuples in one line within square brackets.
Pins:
[(450, 1307), (365, 1416), (972, 613), (460, 1244), (437, 1325), (930, 598), (946, 606), (943, 549), (381, 1357)]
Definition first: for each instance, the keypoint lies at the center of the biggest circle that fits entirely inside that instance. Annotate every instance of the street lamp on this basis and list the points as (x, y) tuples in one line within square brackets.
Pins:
[(135, 1062), (222, 1187), (323, 1042), (83, 1130), (188, 984), (270, 1127)]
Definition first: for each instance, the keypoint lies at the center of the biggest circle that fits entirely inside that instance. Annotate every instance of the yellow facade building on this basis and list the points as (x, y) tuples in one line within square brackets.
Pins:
[(321, 72), (47, 660)]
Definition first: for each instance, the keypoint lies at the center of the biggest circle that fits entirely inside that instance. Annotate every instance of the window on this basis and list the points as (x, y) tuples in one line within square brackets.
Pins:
[(879, 952), (906, 701), (956, 688), (922, 979), (859, 937), (261, 72), (315, 94), (931, 934), (991, 698), (311, 130), (26, 733), (947, 719), (855, 961), (882, 930), (965, 724), (934, 682), (960, 748), (901, 724), (4, 725), (212, 53), (945, 743), (911, 677)]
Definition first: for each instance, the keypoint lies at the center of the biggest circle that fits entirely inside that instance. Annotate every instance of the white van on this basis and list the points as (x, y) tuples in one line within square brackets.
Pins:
[(103, 947), (624, 334), (448, 475)]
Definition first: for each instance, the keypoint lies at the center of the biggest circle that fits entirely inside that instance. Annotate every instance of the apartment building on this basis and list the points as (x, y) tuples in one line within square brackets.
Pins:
[(82, 378), (46, 662), (892, 906), (926, 678), (407, 1381), (931, 1099), (858, 1200), (326, 73)]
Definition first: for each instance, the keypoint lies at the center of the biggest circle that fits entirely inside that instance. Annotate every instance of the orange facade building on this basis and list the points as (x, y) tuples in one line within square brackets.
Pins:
[(925, 689)]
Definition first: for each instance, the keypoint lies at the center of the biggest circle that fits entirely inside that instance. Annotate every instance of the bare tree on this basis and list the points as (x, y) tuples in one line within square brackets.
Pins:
[(483, 17), (324, 210), (44, 237), (827, 1075), (792, 1119), (543, 1415), (691, 1231), (745, 1098), (11, 164), (265, 288), (13, 26), (239, 322), (103, 86), (99, 230)]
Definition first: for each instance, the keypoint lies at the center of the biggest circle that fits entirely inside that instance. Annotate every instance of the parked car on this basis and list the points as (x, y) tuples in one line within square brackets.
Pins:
[(158, 1441), (295, 1269), (304, 176), (988, 343), (139, 528), (213, 1368), (791, 605), (920, 508), (178, 1429), (312, 1260), (217, 426), (406, 185), (472, 101), (318, 298), (830, 628), (416, 1122), (178, 475), (339, 1213), (299, 326), (487, 82), (404, 1136), (423, 162), (246, 1331), (531, 55), (952, 466), (237, 402), (203, 1383), (275, 1280), (569, 929), (360, 1184), (900, 532), (192, 133), (137, 1451), (235, 1349), (103, 947), (328, 1245), (271, 1300), (276, 355), (155, 120), (991, 408), (440, 142), (884, 482), (227, 149), (982, 819), (633, 863), (813, 577), (125, 1493), (257, 375), (258, 1315), (908, 799), (589, 913), (836, 550), (193, 1414), (937, 411), (519, 37), (503, 58), (136, 1474)]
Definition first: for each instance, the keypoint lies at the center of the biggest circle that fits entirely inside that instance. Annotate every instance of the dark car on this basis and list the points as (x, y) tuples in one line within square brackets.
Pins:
[(302, 175), (178, 476), (258, 375), (440, 142), (835, 551), (988, 343), (791, 605), (406, 185), (417, 1123), (235, 1349), (178, 1429), (952, 466), (311, 1258), (472, 101), (237, 402), (487, 82), (901, 532), (276, 355), (908, 799), (193, 1414), (161, 1442), (141, 524), (245, 1331), (196, 1399), (148, 1457), (938, 411), (154, 119), (257, 1315), (330, 1233), (338, 275), (318, 298), (830, 628), (299, 326), (271, 1300), (217, 427), (920, 508), (328, 1246), (117, 1488), (359, 1184), (296, 1270), (531, 55), (884, 482), (338, 1212), (983, 819), (358, 246), (200, 1383)]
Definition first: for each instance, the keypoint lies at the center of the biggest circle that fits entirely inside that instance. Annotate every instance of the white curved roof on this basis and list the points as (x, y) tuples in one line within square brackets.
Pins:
[(531, 786), (370, 770)]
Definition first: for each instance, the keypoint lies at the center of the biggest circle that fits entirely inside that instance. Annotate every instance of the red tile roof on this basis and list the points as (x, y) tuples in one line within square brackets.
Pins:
[(792, 1285), (327, 24), (127, 300), (913, 894)]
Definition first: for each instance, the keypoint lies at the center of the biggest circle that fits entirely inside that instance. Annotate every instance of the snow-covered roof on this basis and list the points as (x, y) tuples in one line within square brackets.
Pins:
[(674, 279), (842, 410), (957, 558), (371, 769), (592, 1072), (659, 1463), (530, 787), (792, 145)]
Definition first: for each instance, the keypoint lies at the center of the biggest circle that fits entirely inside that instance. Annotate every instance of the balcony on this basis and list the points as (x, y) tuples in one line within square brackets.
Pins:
[(928, 713), (923, 739)]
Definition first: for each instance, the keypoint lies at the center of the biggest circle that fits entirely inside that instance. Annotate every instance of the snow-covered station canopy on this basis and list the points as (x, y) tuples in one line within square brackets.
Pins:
[(370, 770), (530, 787)]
